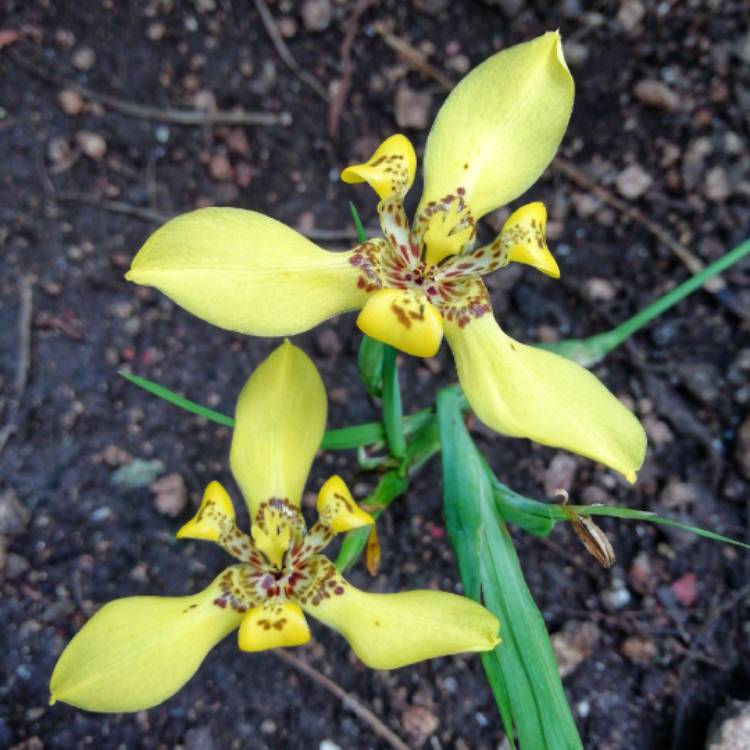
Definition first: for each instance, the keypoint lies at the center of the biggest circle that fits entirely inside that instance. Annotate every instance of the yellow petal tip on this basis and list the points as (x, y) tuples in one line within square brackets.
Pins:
[(389, 171), (338, 509), (215, 514), (405, 319), (524, 235), (273, 625)]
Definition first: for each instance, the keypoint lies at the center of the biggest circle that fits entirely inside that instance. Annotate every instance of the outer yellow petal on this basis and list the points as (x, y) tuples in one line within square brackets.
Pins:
[(405, 319), (500, 127), (279, 423), (135, 653), (388, 631), (246, 272), (527, 392)]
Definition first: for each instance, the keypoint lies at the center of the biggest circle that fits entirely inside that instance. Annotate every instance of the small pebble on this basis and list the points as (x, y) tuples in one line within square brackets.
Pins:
[(84, 58), (70, 101), (92, 144), (633, 182), (412, 108), (316, 14)]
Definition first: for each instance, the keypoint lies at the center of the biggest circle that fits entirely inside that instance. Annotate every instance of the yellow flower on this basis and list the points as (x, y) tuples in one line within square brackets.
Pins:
[(136, 652), (493, 137)]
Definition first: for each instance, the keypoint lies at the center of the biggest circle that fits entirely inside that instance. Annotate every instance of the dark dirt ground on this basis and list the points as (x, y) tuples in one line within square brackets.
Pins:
[(659, 644)]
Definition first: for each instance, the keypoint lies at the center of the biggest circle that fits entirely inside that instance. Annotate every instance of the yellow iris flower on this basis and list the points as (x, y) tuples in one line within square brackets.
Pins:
[(491, 140), (136, 652)]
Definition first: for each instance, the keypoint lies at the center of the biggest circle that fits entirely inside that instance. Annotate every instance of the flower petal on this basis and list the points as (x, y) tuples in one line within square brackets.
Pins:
[(279, 423), (389, 171), (387, 631), (337, 508), (136, 652), (246, 272), (403, 318), (274, 624), (527, 392), (500, 126)]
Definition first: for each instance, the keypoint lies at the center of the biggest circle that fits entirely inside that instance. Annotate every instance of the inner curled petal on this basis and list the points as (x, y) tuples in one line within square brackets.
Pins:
[(405, 319)]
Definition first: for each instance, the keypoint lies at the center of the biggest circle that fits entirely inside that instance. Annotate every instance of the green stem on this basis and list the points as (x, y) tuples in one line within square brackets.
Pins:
[(589, 351), (645, 316)]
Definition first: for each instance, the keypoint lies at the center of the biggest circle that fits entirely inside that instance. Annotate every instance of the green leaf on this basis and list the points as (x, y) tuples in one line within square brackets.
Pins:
[(534, 516), (361, 234), (173, 398), (392, 409), (339, 439), (371, 365), (522, 670)]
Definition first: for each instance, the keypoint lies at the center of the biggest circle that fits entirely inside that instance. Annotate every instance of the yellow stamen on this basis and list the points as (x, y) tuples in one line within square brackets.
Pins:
[(446, 234), (272, 537)]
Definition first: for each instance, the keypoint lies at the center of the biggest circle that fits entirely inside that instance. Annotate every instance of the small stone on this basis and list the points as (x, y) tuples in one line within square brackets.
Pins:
[(586, 204), (243, 174), (328, 342), (83, 58), (630, 14), (171, 495), (656, 94), (114, 456), (576, 53), (220, 168), (641, 576), (679, 496), (156, 31), (460, 63), (742, 448), (204, 100), (731, 730), (268, 726), (573, 644), (199, 738), (316, 14), (58, 150), (70, 101), (412, 108), (616, 596), (600, 289), (703, 380), (16, 566), (419, 723), (560, 473), (287, 27), (685, 589), (14, 515), (338, 395), (138, 473), (639, 650), (717, 186), (92, 144), (633, 182), (328, 745)]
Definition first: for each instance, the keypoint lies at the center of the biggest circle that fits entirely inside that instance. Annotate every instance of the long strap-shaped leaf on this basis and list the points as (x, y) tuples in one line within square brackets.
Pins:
[(522, 670)]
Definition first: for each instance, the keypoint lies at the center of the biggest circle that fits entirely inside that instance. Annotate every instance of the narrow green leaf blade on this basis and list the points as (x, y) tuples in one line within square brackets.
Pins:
[(392, 408), (177, 400), (370, 365), (522, 670)]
